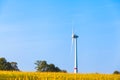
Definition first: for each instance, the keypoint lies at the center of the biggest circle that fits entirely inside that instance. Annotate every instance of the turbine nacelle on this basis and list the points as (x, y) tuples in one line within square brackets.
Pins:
[(74, 36)]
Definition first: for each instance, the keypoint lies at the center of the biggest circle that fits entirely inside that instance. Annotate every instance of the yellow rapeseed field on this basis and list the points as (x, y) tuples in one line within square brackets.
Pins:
[(7, 75)]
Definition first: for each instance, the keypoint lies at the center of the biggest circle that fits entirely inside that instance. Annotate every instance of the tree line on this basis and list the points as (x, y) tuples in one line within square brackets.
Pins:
[(5, 65), (41, 66)]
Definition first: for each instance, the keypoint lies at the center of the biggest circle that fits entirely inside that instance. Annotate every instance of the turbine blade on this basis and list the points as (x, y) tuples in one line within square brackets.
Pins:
[(72, 42), (72, 38), (72, 46), (72, 28)]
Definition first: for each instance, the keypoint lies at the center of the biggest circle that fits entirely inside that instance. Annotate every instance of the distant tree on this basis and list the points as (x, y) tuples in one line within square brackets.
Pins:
[(14, 66), (4, 65), (42, 66), (116, 72), (64, 71)]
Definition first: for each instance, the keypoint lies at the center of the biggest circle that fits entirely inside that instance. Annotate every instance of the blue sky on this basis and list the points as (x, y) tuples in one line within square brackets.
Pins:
[(33, 30)]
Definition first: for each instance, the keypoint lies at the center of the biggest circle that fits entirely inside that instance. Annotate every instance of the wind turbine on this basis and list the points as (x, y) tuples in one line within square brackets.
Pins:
[(74, 41)]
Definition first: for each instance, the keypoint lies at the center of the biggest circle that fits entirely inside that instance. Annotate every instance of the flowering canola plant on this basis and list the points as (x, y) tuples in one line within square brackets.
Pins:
[(13, 75)]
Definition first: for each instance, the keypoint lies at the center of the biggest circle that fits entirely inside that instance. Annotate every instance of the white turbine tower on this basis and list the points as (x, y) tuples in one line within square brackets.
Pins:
[(74, 40)]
